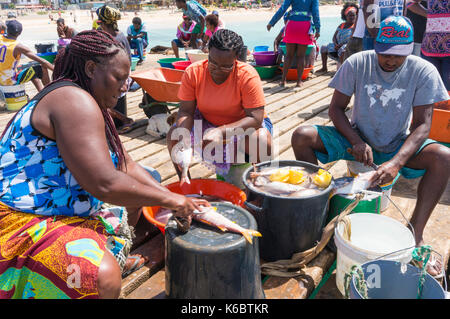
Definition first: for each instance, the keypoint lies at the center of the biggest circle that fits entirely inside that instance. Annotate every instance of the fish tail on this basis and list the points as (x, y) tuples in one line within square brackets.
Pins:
[(249, 233)]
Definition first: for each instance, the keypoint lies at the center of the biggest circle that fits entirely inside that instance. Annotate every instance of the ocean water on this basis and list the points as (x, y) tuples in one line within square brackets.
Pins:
[(253, 32)]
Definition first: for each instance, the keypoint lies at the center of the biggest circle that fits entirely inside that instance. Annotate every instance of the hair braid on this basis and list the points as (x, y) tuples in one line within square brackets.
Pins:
[(226, 40), (70, 66)]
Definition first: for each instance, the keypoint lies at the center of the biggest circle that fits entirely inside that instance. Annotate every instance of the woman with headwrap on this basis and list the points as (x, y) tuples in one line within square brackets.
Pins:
[(344, 31), (107, 21)]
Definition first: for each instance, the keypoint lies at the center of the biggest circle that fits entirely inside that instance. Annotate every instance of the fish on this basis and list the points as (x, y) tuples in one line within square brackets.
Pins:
[(182, 156), (281, 188), (360, 183), (163, 215), (208, 215)]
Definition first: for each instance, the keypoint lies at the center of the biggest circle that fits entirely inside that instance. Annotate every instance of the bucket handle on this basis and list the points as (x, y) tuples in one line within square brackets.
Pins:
[(253, 207)]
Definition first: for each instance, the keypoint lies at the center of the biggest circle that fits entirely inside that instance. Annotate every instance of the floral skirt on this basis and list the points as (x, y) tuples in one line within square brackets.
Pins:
[(57, 257)]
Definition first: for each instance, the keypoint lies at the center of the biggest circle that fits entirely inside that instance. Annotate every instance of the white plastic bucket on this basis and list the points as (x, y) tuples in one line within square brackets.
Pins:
[(14, 96), (372, 236), (354, 168)]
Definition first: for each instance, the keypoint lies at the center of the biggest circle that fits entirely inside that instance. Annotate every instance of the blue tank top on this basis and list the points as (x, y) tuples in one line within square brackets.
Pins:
[(34, 177)]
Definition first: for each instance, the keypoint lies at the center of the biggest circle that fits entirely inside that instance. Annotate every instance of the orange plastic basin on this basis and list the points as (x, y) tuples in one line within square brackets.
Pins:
[(161, 83), (292, 74), (209, 187), (440, 126)]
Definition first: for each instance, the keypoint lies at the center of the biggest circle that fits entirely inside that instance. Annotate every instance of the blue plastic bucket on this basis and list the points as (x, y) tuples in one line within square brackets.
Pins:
[(386, 280), (261, 48)]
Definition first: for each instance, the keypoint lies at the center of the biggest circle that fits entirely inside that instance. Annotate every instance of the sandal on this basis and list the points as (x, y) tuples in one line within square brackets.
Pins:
[(435, 263), (128, 127), (137, 263)]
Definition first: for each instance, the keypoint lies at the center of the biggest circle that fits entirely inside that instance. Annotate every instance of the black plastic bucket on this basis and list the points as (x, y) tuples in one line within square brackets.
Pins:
[(44, 47), (206, 263), (242, 56), (288, 225)]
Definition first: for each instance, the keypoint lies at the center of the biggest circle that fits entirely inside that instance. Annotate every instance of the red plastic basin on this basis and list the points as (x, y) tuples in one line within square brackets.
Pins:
[(209, 187), (181, 65), (292, 74)]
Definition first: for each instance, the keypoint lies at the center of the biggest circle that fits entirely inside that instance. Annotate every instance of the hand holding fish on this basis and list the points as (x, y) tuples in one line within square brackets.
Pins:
[(362, 153), (185, 206), (385, 173)]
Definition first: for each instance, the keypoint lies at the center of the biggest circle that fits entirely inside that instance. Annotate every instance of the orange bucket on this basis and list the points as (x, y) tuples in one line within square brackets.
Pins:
[(292, 74), (208, 187), (440, 125), (161, 83)]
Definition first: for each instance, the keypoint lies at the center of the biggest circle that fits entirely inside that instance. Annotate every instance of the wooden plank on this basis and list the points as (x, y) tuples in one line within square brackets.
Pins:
[(153, 288), (302, 286), (154, 250)]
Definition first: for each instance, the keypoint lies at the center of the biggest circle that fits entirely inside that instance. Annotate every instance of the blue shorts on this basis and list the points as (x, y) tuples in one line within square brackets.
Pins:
[(178, 43), (336, 145)]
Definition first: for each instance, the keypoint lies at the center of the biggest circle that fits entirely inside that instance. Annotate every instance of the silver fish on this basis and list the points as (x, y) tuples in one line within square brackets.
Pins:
[(281, 188), (182, 156)]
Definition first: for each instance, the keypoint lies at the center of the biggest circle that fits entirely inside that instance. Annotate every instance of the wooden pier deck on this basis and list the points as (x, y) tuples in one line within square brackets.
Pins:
[(287, 109)]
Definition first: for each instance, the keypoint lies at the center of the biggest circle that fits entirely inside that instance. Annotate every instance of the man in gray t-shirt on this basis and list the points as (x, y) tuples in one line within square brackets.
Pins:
[(394, 93)]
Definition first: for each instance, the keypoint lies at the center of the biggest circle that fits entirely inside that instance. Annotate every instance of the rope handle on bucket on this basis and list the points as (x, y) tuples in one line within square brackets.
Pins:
[(422, 254), (360, 282)]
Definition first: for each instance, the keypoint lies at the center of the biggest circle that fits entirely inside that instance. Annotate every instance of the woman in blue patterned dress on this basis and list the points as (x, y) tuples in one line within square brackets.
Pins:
[(60, 159)]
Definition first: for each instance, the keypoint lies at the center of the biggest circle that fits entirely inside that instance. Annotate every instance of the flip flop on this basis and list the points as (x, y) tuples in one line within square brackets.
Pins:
[(127, 128), (137, 264), (434, 261)]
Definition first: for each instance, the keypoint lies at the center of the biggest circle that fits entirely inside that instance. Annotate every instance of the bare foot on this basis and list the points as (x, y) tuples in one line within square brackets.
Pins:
[(282, 84), (299, 84), (322, 70)]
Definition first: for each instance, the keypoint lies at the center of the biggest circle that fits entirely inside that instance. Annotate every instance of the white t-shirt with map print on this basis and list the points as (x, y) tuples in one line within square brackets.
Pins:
[(384, 101)]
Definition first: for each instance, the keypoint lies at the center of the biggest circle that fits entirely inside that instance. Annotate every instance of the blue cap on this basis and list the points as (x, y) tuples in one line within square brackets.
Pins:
[(395, 36), (215, 12), (13, 27)]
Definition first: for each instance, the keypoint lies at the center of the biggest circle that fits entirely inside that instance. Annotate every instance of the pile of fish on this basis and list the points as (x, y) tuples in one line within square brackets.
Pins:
[(290, 181)]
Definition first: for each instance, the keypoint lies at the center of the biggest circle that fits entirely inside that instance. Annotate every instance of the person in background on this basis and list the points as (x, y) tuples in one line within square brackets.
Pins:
[(64, 31), (221, 23), (72, 161), (298, 33), (197, 13), (184, 31), (212, 25), (375, 11), (419, 23), (36, 71), (355, 43), (341, 37), (107, 21), (393, 97), (436, 40), (138, 37)]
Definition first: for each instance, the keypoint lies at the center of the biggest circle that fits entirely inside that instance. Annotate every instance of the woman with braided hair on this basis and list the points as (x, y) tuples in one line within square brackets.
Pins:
[(60, 160), (223, 99)]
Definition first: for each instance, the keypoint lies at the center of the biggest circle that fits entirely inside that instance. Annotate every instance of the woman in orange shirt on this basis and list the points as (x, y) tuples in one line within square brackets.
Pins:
[(222, 108)]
